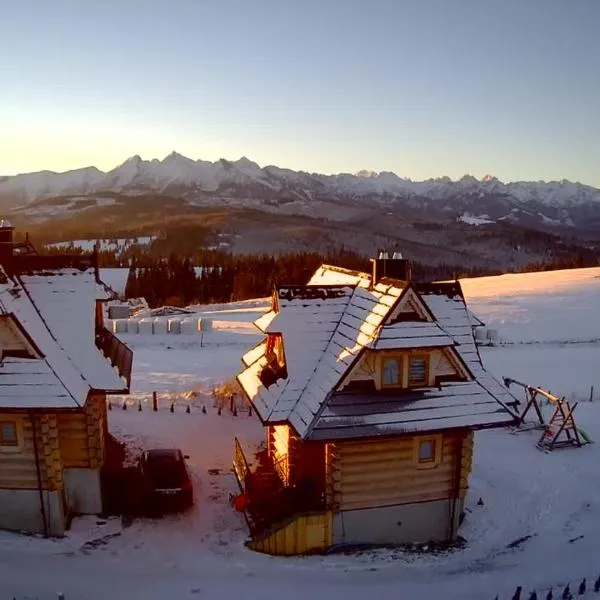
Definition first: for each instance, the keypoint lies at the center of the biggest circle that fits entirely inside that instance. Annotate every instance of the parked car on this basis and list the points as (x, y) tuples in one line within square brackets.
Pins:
[(166, 481)]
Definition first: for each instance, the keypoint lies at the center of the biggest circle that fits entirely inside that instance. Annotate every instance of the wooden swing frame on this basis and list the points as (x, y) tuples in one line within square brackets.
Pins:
[(561, 415)]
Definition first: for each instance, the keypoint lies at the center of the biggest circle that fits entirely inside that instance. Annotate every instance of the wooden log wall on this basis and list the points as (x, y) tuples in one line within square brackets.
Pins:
[(369, 474), (17, 466), (64, 440)]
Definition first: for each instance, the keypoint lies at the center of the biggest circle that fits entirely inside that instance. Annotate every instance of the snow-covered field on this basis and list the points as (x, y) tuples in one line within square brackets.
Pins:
[(538, 524)]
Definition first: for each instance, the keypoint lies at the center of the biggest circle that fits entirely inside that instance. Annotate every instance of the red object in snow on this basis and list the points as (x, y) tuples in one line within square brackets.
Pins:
[(240, 502)]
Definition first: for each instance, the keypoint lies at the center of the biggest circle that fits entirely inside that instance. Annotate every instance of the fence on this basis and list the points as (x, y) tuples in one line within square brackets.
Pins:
[(219, 400), (585, 588)]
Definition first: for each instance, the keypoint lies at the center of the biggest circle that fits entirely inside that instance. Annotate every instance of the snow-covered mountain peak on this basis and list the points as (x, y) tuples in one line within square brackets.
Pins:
[(366, 174), (243, 181)]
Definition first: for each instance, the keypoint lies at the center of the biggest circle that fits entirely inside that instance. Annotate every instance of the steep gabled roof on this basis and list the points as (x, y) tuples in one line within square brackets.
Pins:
[(324, 329), (56, 310), (327, 326), (307, 319), (66, 301)]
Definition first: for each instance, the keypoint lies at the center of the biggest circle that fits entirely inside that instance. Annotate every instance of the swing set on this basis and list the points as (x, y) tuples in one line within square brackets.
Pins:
[(560, 431)]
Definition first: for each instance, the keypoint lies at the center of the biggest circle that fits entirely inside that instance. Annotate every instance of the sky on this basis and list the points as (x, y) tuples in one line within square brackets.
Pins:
[(423, 88)]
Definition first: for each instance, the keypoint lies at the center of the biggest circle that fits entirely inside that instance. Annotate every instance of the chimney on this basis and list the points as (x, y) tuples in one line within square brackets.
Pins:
[(394, 267), (6, 243)]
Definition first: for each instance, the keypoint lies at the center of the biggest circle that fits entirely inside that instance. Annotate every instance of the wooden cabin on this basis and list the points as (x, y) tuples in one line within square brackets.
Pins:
[(370, 388), (57, 365)]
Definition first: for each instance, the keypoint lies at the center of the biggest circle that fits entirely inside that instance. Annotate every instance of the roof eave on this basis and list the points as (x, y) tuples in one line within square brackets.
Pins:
[(479, 427)]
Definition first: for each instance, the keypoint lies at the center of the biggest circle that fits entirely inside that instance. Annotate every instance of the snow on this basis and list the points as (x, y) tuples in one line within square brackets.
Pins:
[(475, 220), (178, 172), (548, 307), (554, 498), (111, 245), (66, 301), (115, 278)]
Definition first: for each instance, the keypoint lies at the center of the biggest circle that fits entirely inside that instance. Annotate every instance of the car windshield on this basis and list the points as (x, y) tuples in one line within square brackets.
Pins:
[(165, 468)]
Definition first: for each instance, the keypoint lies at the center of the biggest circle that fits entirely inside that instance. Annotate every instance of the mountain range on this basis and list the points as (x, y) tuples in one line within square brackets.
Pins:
[(558, 206)]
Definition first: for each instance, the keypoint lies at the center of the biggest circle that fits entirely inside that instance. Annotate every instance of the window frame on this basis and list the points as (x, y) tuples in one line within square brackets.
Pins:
[(421, 383), (400, 362), (437, 441), (10, 448)]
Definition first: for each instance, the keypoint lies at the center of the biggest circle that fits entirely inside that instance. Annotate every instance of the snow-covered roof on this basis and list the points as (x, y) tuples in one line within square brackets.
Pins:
[(65, 300), (412, 334), (356, 415), (326, 325), (57, 311), (447, 303)]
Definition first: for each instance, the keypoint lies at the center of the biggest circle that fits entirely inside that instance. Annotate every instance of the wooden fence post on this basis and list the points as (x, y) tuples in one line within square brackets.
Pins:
[(154, 402)]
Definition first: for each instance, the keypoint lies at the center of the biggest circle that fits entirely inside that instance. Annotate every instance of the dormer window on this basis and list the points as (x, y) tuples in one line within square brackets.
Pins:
[(418, 371), (408, 369), (392, 372), (275, 368)]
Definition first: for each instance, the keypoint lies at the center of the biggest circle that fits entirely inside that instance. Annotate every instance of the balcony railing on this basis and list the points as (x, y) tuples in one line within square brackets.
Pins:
[(240, 465), (119, 354)]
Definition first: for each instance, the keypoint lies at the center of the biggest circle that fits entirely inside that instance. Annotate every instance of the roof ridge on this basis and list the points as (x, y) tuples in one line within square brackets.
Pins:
[(373, 336), (318, 362)]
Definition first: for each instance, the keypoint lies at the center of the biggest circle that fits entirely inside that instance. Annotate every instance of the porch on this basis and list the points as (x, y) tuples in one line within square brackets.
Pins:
[(269, 497)]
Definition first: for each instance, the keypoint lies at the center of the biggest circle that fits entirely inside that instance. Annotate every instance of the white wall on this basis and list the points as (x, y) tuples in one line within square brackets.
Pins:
[(82, 491), (20, 511), (400, 524)]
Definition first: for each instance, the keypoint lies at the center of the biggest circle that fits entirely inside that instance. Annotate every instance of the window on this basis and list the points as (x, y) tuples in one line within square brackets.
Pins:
[(8, 434), (417, 371), (428, 451), (391, 371)]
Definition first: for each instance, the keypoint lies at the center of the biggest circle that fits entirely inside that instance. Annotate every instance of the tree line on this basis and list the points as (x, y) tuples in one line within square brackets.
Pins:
[(175, 281), (212, 276)]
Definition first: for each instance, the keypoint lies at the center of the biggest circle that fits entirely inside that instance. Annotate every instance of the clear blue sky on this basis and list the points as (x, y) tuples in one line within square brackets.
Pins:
[(421, 87)]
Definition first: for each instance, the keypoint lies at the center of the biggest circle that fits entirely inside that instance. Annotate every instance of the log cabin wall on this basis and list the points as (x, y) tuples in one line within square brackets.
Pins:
[(17, 465), (82, 434), (380, 493), (385, 472), (20, 497)]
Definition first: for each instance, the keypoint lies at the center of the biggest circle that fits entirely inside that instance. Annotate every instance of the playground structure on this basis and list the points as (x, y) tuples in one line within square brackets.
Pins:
[(560, 431)]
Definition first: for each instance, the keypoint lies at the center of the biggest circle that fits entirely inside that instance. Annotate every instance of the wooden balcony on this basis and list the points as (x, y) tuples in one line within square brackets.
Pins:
[(270, 500), (119, 354)]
